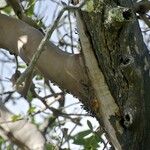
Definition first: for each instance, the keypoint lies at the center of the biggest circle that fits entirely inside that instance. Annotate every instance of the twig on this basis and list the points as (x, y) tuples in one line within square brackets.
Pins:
[(145, 19), (19, 11), (71, 36), (141, 7), (42, 43)]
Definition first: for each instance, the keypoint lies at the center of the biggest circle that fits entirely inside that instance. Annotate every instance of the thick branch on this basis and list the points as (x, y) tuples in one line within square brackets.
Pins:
[(21, 132), (58, 66), (106, 103)]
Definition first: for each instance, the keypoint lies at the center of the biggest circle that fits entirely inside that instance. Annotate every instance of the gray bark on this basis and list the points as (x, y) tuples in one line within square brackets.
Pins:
[(124, 61), (118, 92), (58, 66)]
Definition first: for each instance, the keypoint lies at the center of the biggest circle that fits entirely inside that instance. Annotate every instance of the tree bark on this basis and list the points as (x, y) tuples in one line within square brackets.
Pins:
[(67, 70), (118, 92), (21, 131), (123, 58)]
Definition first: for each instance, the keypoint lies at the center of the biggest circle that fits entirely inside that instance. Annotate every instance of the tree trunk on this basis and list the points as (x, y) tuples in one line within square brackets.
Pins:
[(123, 58), (117, 63)]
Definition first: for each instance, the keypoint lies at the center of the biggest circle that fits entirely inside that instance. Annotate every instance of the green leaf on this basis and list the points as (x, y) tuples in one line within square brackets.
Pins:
[(1, 141), (38, 77), (7, 10), (30, 9), (22, 66), (29, 95), (82, 134), (31, 110), (79, 137), (9, 147), (87, 140), (79, 141), (91, 143), (89, 125), (49, 147), (16, 117)]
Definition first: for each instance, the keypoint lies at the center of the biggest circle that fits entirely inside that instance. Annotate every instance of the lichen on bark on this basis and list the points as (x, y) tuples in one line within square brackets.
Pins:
[(115, 49)]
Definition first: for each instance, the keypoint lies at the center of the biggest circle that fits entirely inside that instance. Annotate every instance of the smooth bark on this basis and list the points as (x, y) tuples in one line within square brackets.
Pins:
[(21, 131), (65, 69)]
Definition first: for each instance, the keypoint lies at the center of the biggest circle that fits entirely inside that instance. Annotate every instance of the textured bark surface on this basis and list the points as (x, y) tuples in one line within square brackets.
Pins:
[(119, 96), (124, 61)]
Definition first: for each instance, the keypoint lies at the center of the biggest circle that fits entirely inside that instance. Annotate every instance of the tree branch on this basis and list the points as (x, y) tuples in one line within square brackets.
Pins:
[(21, 132), (141, 7), (18, 9), (106, 106), (67, 70)]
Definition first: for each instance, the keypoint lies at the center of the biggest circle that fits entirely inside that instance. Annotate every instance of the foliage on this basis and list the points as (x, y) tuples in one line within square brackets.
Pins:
[(87, 138)]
